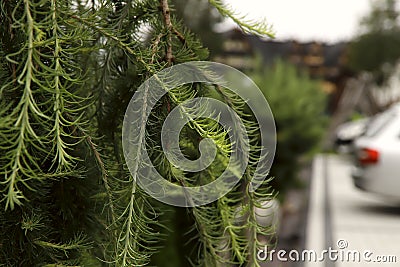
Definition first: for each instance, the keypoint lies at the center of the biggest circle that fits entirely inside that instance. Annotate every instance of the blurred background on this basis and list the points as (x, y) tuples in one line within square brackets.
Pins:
[(331, 77)]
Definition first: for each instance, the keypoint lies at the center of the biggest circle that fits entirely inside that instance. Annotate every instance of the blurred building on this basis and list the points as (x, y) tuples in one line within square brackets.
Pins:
[(326, 62)]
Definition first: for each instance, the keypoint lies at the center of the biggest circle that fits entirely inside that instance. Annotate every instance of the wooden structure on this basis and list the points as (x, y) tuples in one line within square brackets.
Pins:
[(326, 62)]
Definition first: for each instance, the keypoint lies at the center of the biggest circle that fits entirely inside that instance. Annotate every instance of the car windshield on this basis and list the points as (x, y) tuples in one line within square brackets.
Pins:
[(378, 123)]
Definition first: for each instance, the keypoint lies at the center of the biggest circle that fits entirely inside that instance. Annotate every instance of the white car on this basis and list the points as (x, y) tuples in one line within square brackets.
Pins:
[(347, 132), (377, 155)]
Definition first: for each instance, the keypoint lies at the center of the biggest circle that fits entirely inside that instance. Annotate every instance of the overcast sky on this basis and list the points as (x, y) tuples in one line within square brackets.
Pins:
[(306, 20)]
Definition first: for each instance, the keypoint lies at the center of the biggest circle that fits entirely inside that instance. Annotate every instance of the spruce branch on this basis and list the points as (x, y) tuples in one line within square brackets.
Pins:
[(26, 111), (105, 33), (63, 62), (260, 28)]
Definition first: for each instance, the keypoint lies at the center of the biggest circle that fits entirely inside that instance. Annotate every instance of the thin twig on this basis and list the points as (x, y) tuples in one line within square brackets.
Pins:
[(179, 35), (76, 130), (154, 47), (167, 20), (104, 175)]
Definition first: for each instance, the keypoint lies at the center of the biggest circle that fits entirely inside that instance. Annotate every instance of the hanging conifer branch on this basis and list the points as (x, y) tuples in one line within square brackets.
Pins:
[(66, 80), (260, 28)]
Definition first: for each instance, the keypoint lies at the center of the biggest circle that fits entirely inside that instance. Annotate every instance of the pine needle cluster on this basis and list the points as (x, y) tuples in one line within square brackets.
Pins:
[(68, 69)]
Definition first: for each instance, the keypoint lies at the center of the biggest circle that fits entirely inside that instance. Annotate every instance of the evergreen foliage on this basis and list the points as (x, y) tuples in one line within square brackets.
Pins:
[(298, 104), (68, 69), (376, 49)]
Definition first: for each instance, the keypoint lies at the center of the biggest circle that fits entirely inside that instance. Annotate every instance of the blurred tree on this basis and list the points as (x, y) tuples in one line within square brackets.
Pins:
[(384, 16), (298, 104), (378, 47)]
